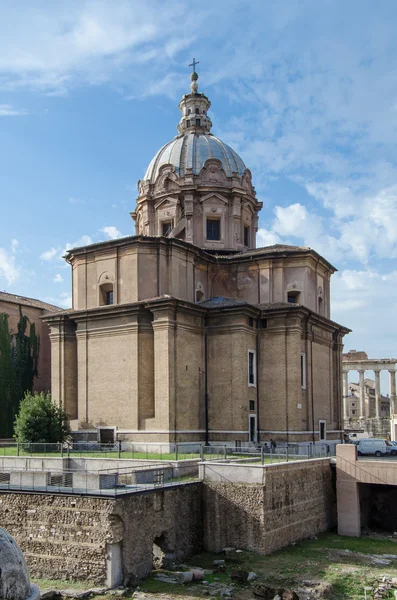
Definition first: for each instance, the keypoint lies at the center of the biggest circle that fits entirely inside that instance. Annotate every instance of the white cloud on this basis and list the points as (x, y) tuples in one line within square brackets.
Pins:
[(73, 200), (6, 110), (58, 278), (55, 48), (267, 238), (84, 240), (14, 245), (65, 300), (8, 267), (111, 232), (365, 301), (49, 254)]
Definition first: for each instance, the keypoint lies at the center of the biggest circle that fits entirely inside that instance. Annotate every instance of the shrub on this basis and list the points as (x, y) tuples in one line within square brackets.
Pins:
[(39, 420)]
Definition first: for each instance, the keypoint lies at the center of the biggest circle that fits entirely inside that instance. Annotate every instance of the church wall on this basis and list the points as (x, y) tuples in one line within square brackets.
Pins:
[(265, 282), (107, 372), (64, 367), (128, 276), (146, 406), (322, 384), (229, 340), (79, 284), (189, 413), (164, 373), (148, 274), (279, 381)]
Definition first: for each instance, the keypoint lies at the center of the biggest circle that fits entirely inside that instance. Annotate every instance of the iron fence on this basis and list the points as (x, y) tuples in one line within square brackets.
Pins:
[(104, 482), (154, 451), (170, 452), (264, 453)]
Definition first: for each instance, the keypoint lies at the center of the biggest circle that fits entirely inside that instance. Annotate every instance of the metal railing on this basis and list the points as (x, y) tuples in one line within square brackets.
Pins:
[(104, 482), (264, 454), (169, 452), (131, 450)]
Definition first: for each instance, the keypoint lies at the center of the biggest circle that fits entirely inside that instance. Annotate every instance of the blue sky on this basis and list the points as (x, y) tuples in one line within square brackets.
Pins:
[(305, 91)]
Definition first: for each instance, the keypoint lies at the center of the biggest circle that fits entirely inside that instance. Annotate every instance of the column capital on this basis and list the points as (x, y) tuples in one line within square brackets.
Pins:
[(392, 370), (361, 370)]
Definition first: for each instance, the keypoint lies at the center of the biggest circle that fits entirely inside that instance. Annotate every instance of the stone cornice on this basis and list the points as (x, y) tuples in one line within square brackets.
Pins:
[(276, 253)]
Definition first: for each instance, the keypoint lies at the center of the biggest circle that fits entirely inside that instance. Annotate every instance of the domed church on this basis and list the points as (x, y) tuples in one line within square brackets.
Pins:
[(185, 331)]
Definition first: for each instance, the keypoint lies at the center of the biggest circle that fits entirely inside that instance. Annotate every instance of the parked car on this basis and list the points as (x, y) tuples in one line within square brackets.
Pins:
[(374, 446), (393, 449)]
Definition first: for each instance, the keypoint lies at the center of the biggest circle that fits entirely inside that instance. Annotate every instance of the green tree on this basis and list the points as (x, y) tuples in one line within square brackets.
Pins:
[(39, 420)]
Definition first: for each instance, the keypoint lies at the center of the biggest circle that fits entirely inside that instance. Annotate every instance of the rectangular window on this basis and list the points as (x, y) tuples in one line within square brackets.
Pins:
[(293, 297), (246, 236), (252, 426), (188, 123), (303, 370), (198, 122), (251, 368), (213, 229), (252, 404), (250, 321), (167, 228), (323, 430), (109, 297)]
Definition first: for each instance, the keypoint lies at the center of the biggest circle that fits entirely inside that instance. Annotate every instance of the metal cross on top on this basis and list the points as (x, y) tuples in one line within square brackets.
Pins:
[(194, 63)]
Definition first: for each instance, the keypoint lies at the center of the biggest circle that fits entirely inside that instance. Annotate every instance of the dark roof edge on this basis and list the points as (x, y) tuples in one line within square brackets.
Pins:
[(26, 301)]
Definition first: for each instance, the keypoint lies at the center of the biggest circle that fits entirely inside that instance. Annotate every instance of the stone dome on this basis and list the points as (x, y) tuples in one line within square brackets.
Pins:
[(14, 575), (190, 151)]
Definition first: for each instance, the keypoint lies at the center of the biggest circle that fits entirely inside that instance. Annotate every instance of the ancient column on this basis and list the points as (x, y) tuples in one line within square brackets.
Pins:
[(377, 393), (362, 393), (345, 394), (392, 374)]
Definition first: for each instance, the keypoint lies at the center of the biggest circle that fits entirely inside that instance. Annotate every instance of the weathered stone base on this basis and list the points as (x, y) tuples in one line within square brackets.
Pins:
[(294, 502), (112, 541), (76, 538)]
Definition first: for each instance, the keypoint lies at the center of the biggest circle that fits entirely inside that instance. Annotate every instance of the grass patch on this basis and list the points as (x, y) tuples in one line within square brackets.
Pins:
[(343, 562), (60, 584)]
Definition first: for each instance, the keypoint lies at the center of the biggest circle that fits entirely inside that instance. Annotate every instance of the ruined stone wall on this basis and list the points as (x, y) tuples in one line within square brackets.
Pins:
[(296, 501), (173, 518), (62, 537), (69, 537)]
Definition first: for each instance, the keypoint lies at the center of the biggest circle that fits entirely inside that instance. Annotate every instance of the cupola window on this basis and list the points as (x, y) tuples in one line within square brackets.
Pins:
[(166, 228), (246, 236), (293, 297), (189, 111), (197, 111), (213, 229)]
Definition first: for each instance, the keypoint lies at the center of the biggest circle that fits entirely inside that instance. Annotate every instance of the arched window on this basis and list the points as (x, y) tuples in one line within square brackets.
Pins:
[(189, 111), (199, 295), (197, 111)]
